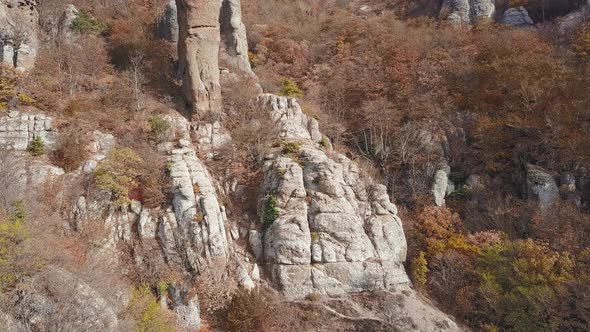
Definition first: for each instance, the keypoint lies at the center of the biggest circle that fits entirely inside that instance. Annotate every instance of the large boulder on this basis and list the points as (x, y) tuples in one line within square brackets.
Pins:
[(541, 185), (518, 17), (467, 11), (570, 22), (440, 187)]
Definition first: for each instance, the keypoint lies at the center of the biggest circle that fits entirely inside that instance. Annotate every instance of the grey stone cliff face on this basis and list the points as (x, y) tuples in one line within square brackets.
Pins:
[(200, 218), (18, 129), (335, 231), (198, 52)]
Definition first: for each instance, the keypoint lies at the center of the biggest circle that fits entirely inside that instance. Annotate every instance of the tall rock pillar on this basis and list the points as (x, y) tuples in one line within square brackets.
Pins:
[(198, 53), (233, 31)]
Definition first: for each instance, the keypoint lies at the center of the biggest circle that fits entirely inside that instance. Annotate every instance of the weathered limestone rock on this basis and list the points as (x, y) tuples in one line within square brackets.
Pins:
[(571, 21), (18, 33), (56, 293), (198, 52), (334, 231), (201, 25), (101, 144), (168, 23), (541, 185), (210, 136), (18, 129), (440, 186), (35, 173), (233, 32), (467, 11), (518, 17), (403, 309), (199, 216), (290, 120), (475, 182), (188, 312), (66, 21)]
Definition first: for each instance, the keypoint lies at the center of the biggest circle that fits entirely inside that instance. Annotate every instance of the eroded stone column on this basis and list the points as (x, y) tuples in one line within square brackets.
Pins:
[(233, 31), (198, 53)]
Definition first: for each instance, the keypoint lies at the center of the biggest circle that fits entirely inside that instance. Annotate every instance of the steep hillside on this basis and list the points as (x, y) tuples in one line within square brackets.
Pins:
[(197, 165)]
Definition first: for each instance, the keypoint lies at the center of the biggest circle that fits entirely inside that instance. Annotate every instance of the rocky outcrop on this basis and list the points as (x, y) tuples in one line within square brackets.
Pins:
[(541, 185), (327, 229), (18, 129), (18, 33), (202, 25), (233, 32), (518, 17), (42, 304), (210, 136), (187, 309), (570, 22), (199, 219), (440, 186), (198, 52), (167, 24), (66, 21), (467, 11), (101, 144), (190, 233), (291, 122)]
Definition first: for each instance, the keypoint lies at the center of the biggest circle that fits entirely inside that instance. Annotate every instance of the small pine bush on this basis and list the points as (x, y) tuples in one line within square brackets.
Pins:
[(86, 23), (158, 128), (291, 148), (419, 270), (14, 235), (37, 147), (119, 173), (271, 211), (290, 89), (147, 313)]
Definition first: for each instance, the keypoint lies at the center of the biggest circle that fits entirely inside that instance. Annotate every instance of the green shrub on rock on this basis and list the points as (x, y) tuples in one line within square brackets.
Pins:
[(86, 23), (147, 313), (271, 211), (37, 146), (14, 235), (118, 174), (290, 89), (291, 148), (158, 128)]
